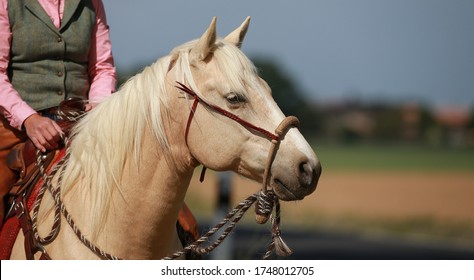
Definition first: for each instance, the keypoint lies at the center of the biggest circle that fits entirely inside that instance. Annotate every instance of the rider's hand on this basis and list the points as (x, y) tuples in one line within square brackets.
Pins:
[(90, 106), (43, 132)]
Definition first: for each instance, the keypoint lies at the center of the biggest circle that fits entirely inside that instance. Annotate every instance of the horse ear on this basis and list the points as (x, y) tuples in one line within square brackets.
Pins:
[(237, 36), (205, 44)]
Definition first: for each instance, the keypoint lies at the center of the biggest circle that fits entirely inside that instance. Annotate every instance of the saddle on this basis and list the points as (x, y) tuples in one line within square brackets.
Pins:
[(23, 157)]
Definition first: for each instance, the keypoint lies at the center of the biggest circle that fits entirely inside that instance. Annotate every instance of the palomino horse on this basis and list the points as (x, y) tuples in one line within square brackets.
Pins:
[(131, 159)]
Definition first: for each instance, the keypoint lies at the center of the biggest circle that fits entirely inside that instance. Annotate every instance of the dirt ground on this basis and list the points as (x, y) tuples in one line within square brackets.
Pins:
[(445, 196)]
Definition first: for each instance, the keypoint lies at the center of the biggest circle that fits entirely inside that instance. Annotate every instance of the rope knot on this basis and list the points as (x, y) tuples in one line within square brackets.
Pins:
[(264, 206)]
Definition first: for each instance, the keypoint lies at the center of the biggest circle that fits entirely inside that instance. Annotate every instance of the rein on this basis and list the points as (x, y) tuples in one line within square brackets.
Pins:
[(265, 200)]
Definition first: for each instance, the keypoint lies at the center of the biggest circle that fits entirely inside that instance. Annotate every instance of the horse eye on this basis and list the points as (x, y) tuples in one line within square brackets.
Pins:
[(234, 99)]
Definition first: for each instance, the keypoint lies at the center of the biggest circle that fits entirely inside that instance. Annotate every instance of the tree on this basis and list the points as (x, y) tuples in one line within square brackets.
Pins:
[(288, 95)]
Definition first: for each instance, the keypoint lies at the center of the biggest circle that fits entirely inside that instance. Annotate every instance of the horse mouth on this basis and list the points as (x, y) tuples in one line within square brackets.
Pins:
[(283, 192)]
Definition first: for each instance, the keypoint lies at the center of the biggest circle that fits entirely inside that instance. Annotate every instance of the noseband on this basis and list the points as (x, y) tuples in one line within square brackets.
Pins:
[(275, 138)]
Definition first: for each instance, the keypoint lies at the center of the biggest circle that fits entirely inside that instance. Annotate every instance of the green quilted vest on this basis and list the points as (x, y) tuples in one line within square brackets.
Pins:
[(48, 65)]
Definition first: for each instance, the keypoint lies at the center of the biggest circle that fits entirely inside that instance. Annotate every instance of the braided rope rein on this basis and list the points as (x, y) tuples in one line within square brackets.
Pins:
[(56, 193), (262, 199), (265, 201), (70, 116), (232, 218)]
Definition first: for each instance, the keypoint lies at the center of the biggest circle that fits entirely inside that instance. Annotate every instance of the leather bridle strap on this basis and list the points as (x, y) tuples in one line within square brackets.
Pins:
[(188, 125), (190, 118), (197, 99)]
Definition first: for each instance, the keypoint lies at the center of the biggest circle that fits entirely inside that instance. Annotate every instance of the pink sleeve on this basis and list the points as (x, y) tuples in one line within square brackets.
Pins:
[(11, 104), (102, 71)]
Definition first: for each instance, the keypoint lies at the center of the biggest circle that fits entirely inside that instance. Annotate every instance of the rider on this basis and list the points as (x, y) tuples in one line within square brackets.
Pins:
[(50, 50)]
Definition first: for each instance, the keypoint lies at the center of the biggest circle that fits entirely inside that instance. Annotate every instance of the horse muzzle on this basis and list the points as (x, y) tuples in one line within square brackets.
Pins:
[(296, 183)]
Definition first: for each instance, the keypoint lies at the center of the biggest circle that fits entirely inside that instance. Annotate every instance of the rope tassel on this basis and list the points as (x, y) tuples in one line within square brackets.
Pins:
[(281, 249), (277, 244)]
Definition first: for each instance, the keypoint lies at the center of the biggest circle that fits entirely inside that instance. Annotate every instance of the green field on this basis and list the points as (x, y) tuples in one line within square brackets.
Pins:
[(393, 157)]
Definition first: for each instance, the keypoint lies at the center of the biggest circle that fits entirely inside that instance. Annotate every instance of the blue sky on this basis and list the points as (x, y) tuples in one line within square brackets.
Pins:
[(399, 50)]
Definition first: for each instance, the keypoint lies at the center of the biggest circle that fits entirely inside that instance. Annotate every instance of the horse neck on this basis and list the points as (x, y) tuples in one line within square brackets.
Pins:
[(146, 211)]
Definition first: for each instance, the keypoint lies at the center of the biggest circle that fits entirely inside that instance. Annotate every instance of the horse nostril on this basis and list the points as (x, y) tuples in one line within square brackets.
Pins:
[(309, 174), (306, 173)]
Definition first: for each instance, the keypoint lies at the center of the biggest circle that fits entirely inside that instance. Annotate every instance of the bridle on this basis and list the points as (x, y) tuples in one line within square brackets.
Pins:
[(265, 200)]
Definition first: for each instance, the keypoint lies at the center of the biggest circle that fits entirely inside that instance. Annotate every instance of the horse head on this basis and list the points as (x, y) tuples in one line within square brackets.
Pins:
[(232, 116)]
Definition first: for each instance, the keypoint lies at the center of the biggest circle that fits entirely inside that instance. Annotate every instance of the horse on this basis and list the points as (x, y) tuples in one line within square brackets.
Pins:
[(132, 157)]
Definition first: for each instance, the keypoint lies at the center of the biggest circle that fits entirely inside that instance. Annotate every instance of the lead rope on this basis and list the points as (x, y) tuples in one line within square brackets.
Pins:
[(71, 116), (232, 218), (58, 204)]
